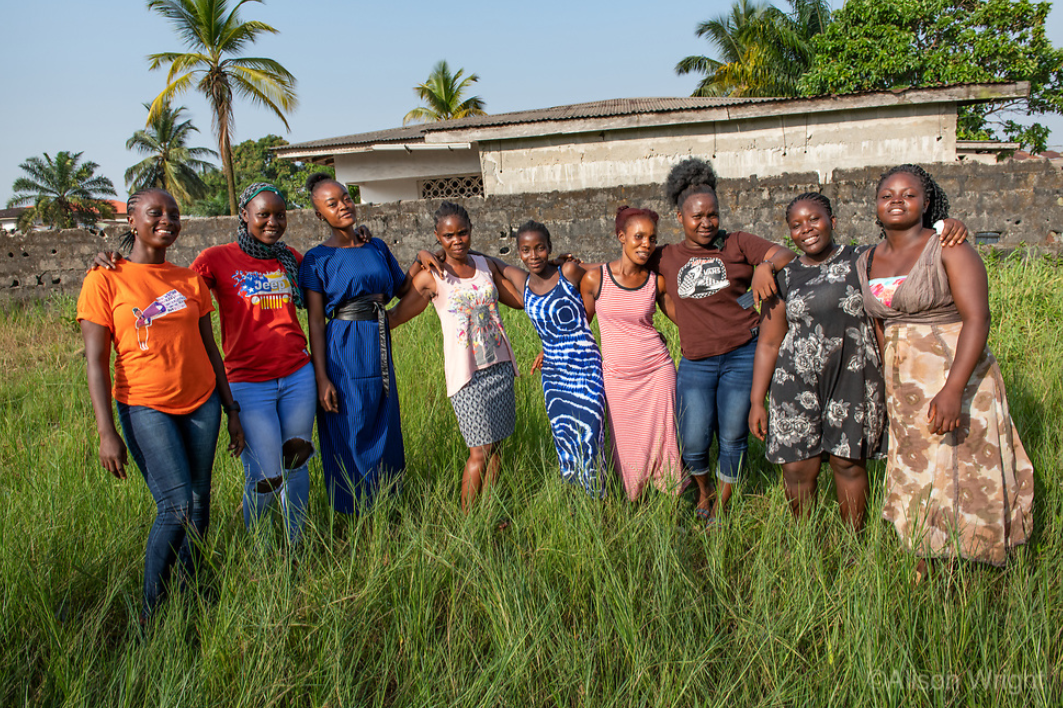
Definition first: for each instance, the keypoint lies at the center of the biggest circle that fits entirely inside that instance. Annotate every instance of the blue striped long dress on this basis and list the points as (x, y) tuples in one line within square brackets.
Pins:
[(572, 382), (361, 446)]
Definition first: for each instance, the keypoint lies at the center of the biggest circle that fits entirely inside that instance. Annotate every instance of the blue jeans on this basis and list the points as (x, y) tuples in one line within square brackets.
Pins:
[(175, 453), (272, 413), (713, 399)]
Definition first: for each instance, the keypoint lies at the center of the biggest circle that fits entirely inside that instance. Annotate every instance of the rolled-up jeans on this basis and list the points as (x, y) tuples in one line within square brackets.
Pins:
[(712, 396), (175, 453), (272, 413)]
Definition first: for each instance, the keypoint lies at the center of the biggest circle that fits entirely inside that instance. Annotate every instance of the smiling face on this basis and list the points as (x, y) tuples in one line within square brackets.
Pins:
[(155, 219), (901, 201), (454, 234), (639, 239), (266, 217), (534, 251), (811, 228), (700, 218), (333, 204)]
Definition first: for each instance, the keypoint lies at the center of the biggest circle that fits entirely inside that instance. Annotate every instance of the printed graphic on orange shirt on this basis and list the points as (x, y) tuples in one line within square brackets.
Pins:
[(267, 290), (172, 301)]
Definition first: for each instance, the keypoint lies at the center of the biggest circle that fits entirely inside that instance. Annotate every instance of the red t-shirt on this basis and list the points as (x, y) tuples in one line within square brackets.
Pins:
[(705, 284), (153, 313), (260, 331)]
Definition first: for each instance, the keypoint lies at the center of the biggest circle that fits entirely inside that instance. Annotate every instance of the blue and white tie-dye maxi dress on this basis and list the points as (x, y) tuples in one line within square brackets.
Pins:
[(572, 382)]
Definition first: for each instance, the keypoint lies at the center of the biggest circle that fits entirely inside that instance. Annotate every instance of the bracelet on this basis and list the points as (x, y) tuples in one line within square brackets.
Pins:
[(770, 264), (233, 407)]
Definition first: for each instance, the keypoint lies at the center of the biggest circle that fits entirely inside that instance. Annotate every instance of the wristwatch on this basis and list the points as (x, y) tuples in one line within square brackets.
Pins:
[(233, 407)]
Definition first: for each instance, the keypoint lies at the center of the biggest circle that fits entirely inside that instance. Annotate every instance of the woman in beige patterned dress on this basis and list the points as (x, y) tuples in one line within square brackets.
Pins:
[(959, 482)]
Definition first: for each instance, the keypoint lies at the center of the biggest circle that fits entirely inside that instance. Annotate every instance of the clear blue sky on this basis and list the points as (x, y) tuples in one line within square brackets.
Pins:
[(75, 75)]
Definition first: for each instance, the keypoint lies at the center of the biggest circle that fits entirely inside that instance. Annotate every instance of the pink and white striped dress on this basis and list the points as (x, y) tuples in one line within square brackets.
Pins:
[(639, 387)]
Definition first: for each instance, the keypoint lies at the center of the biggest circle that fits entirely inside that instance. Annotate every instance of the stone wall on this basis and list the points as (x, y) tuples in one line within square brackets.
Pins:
[(1022, 202)]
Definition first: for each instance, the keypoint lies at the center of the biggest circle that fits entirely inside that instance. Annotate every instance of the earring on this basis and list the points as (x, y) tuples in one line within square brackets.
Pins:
[(134, 232)]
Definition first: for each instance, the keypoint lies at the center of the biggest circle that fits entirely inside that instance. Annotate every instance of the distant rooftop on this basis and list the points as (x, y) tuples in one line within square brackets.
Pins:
[(637, 111)]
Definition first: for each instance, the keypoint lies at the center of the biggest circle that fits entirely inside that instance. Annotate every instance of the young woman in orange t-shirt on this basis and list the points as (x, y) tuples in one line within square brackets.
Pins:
[(169, 382)]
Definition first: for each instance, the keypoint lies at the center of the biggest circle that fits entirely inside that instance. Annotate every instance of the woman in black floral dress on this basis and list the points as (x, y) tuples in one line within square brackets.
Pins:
[(818, 350)]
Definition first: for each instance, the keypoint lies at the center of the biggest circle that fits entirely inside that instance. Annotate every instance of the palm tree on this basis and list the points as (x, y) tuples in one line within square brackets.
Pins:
[(764, 50), (171, 164), (213, 33), (63, 192), (442, 94)]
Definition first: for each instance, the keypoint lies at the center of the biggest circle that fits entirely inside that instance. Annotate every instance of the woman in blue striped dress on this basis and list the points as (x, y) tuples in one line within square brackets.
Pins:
[(348, 280), (571, 362)]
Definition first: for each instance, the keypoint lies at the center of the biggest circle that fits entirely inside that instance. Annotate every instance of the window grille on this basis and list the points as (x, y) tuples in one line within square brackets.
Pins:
[(451, 187)]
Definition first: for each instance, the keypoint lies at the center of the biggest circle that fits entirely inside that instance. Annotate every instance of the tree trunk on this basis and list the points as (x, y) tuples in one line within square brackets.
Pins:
[(227, 169)]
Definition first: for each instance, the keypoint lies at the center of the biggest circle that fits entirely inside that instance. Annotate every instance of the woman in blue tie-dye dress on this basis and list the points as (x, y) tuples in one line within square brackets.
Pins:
[(571, 361)]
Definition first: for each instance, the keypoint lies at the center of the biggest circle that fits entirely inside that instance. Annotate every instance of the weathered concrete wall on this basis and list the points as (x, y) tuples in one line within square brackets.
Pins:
[(766, 146), (1023, 202)]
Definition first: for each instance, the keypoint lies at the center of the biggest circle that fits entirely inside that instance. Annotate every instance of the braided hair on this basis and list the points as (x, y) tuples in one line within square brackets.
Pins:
[(533, 226), (691, 176), (625, 214), (815, 198), (451, 209), (937, 202), (128, 239), (316, 179)]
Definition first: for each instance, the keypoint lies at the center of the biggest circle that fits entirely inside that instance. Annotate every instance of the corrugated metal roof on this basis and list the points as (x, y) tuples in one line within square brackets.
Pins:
[(594, 109), (406, 134)]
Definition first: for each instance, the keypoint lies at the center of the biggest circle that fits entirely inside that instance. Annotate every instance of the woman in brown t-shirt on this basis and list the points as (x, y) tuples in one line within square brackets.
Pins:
[(708, 276)]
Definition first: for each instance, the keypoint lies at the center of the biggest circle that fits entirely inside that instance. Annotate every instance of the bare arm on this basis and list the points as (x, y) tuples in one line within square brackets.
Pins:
[(664, 300), (773, 328), (236, 431), (327, 397), (112, 451), (970, 290), (573, 272), (763, 284), (414, 301), (508, 293), (588, 290)]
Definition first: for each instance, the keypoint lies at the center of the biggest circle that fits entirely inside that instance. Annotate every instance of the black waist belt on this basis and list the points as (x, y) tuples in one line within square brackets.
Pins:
[(369, 307)]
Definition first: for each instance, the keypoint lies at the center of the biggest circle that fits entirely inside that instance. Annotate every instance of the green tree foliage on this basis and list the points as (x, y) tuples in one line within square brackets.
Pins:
[(764, 51), (443, 96), (170, 163), (254, 161), (64, 193), (873, 45), (214, 34)]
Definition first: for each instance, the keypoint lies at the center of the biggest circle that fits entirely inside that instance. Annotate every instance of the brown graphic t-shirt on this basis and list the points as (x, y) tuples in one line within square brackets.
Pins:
[(705, 284)]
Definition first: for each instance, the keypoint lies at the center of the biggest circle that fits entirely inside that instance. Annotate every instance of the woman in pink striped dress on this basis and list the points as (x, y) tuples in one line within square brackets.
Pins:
[(639, 371)]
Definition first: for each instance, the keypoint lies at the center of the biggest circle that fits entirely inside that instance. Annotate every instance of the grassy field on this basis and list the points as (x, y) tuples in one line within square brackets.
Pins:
[(576, 603)]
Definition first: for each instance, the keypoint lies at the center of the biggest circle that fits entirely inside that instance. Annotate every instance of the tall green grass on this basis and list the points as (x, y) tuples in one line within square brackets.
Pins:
[(576, 602)]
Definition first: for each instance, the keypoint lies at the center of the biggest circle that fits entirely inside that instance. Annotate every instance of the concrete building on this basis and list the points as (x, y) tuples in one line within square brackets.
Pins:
[(9, 218), (635, 141)]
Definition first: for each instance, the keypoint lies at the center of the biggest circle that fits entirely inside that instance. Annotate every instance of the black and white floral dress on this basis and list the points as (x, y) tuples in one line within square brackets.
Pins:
[(827, 393)]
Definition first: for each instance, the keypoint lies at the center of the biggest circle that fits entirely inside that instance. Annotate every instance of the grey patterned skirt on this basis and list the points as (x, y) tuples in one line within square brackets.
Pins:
[(485, 407)]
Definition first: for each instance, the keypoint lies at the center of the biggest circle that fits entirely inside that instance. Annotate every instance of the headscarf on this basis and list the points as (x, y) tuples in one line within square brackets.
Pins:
[(278, 251)]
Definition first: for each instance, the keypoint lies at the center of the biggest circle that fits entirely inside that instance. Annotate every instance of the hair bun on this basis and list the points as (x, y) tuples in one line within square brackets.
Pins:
[(691, 176)]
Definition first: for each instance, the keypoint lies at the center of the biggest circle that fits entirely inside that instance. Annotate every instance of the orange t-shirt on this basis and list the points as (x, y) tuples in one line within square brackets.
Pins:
[(153, 314)]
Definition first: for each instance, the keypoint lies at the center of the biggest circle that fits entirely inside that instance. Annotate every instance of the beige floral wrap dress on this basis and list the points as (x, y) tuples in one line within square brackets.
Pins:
[(968, 493)]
